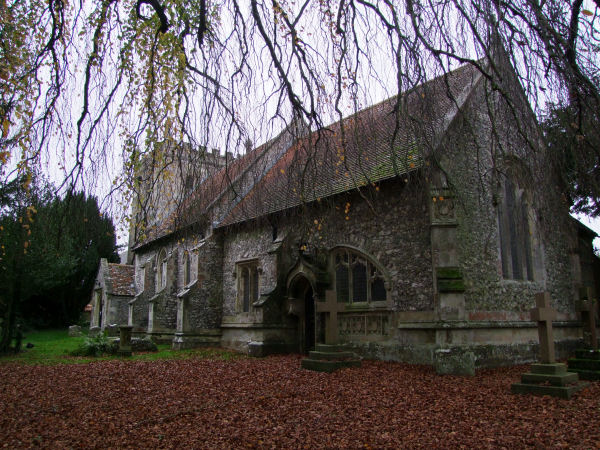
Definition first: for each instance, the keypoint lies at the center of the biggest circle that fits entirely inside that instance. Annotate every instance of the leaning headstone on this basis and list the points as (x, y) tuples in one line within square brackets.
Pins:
[(548, 377), (125, 340), (74, 331)]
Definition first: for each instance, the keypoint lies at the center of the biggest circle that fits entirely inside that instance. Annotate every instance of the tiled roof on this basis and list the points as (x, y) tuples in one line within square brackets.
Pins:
[(373, 145), (294, 168), (121, 279), (226, 188)]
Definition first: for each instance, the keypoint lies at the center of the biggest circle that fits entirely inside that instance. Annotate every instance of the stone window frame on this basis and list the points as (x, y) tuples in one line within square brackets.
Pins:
[(141, 280), (374, 271), (161, 270), (187, 267), (516, 229), (251, 269)]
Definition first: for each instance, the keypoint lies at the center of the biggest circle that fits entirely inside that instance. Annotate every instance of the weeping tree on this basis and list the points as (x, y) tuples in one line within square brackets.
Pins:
[(98, 86)]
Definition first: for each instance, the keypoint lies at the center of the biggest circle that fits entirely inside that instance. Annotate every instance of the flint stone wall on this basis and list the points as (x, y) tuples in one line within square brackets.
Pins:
[(469, 174)]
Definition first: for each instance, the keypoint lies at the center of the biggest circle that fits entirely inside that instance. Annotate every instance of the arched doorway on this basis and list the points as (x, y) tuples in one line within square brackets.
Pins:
[(301, 294)]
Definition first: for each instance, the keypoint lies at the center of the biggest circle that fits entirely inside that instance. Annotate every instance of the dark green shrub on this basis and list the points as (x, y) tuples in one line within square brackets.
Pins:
[(94, 346)]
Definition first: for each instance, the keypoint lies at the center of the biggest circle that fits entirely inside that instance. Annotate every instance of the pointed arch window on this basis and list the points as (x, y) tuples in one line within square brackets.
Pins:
[(187, 268), (357, 278), (161, 281), (248, 285), (515, 229)]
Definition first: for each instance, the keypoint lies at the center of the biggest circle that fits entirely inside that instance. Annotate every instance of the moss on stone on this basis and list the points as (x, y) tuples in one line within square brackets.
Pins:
[(451, 285), (450, 273)]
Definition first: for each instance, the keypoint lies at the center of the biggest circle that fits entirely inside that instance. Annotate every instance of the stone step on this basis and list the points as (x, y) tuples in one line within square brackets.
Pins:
[(320, 365), (565, 392), (586, 374), (586, 364), (549, 369), (329, 348), (331, 355), (563, 379), (587, 354)]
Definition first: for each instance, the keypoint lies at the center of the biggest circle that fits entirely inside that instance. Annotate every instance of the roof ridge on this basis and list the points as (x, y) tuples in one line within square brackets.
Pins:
[(267, 146), (458, 86), (402, 94)]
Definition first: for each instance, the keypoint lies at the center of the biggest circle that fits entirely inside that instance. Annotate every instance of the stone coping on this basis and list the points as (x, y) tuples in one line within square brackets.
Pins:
[(201, 332), (186, 289), (466, 324), (380, 306), (257, 325)]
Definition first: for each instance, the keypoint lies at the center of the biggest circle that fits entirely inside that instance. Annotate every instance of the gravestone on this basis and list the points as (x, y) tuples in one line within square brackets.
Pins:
[(543, 314), (547, 377), (586, 363), (331, 355), (125, 340), (587, 307), (112, 330), (94, 331), (74, 331), (454, 362), (331, 307)]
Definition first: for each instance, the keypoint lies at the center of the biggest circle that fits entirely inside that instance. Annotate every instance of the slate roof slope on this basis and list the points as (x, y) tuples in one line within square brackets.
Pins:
[(372, 145), (120, 280)]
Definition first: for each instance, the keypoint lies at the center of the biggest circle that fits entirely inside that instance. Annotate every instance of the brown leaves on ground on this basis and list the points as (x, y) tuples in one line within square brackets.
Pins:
[(272, 402)]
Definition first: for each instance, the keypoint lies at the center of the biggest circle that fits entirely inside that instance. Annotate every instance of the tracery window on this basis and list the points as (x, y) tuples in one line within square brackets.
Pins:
[(357, 278), (248, 278)]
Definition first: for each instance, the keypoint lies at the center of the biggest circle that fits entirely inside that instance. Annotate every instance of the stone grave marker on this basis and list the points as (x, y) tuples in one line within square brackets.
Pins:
[(586, 363), (332, 307), (330, 356), (543, 314), (74, 331), (125, 340), (547, 377), (587, 307)]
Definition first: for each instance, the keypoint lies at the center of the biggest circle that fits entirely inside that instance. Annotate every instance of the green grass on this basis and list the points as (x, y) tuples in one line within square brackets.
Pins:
[(52, 347)]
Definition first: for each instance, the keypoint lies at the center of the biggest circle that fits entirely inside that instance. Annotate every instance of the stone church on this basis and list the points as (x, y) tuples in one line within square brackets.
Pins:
[(425, 222)]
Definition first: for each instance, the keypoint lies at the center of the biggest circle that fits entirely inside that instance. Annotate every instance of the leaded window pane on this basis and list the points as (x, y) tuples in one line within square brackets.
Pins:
[(187, 275), (342, 283), (359, 282), (246, 290), (254, 285), (378, 292)]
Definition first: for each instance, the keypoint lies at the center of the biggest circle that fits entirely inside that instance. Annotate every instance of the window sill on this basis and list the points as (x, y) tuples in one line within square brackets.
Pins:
[(367, 306)]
